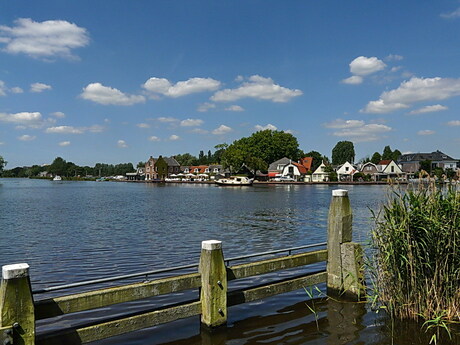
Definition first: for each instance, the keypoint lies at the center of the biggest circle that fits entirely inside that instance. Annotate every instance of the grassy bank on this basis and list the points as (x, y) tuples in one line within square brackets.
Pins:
[(417, 255)]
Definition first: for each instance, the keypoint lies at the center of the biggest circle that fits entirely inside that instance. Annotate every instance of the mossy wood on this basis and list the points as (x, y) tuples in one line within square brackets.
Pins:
[(121, 326), (276, 264), (105, 297)]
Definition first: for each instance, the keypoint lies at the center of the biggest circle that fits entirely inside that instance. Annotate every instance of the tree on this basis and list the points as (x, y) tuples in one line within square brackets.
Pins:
[(140, 165), (387, 153), (2, 164), (255, 163), (426, 166), (186, 159), (376, 158), (58, 167), (396, 155), (317, 159), (343, 151)]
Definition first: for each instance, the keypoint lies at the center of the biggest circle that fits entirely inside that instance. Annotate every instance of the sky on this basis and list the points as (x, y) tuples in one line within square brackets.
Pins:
[(120, 81)]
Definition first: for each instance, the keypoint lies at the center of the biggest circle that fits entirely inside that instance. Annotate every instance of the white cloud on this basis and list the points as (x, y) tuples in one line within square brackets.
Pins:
[(39, 87), (429, 109), (353, 80), (426, 132), (64, 143), (3, 88), (357, 130), (26, 119), (27, 137), (58, 114), (199, 131), (394, 57), (153, 138), (122, 144), (268, 126), (167, 119), (205, 107), (258, 88), (174, 137), (234, 108), (94, 128), (453, 123), (162, 86), (46, 40), (412, 91), (364, 66), (105, 95), (143, 125), (451, 15), (222, 129), (64, 130), (16, 89), (191, 123)]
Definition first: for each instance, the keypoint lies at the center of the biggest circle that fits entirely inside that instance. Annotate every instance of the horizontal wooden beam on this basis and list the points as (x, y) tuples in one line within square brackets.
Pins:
[(120, 326), (105, 297), (276, 264), (260, 292)]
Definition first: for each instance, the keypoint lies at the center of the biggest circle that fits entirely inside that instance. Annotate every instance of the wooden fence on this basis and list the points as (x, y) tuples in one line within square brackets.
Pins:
[(19, 312)]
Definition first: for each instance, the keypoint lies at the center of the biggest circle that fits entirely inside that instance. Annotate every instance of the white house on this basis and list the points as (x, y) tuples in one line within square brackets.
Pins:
[(320, 174), (346, 171), (389, 169)]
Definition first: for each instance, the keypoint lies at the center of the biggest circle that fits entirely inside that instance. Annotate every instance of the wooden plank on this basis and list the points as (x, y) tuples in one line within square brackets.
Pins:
[(254, 294), (120, 326), (276, 264), (104, 297)]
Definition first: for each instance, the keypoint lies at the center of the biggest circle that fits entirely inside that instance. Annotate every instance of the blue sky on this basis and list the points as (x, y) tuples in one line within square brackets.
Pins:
[(119, 81)]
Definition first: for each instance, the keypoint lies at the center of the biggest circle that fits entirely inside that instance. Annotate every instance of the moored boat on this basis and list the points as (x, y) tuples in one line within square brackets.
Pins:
[(234, 181), (57, 178)]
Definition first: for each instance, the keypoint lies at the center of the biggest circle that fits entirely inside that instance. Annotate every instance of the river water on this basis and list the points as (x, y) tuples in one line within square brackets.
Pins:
[(74, 231)]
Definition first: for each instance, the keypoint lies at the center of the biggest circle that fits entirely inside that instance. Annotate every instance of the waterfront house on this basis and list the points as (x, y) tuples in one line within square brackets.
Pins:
[(410, 163), (138, 175), (165, 166), (276, 168), (370, 169), (149, 169), (346, 171), (298, 171), (320, 174), (388, 169)]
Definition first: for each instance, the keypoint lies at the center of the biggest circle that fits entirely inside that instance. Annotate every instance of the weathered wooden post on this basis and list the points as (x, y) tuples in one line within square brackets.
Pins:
[(16, 303), (213, 284), (344, 263)]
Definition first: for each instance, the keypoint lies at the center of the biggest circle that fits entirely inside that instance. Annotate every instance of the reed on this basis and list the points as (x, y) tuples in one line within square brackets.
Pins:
[(416, 257)]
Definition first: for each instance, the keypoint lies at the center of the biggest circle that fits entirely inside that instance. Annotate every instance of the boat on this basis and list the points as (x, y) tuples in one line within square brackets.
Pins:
[(234, 181), (57, 178)]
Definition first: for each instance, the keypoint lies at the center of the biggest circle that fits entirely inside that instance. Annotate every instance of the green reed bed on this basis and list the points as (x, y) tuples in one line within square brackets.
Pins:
[(417, 255)]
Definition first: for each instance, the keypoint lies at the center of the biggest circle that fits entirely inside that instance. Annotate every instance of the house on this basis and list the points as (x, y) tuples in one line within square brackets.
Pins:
[(370, 169), (276, 168), (165, 166), (388, 169), (320, 174), (149, 169), (410, 163), (138, 175), (298, 171), (346, 171)]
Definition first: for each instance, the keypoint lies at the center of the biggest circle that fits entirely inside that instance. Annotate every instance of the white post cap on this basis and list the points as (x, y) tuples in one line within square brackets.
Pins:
[(15, 271), (340, 192), (211, 244)]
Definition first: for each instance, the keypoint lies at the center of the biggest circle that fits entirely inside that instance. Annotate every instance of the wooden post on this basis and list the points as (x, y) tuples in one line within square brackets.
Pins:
[(213, 284), (16, 303), (344, 271)]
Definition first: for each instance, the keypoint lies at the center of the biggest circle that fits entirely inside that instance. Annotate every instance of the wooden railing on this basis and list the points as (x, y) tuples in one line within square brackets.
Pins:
[(19, 312)]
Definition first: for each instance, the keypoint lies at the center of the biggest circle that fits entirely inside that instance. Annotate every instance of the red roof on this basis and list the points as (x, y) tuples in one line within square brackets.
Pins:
[(306, 162), (385, 162), (302, 169)]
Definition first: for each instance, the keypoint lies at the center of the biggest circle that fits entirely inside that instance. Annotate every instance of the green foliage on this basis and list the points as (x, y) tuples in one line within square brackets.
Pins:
[(387, 153), (266, 145), (332, 173), (376, 158), (2, 164), (343, 151), (186, 159), (417, 255), (140, 165), (317, 159), (58, 167), (425, 165)]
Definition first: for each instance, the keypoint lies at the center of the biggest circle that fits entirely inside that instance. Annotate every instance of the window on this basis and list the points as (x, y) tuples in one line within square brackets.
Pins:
[(216, 170), (392, 169), (206, 170), (347, 168)]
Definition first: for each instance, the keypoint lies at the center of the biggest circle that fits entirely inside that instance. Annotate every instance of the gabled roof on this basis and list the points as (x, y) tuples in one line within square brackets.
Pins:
[(171, 161), (433, 156), (302, 169), (306, 162), (385, 162), (274, 166), (201, 168)]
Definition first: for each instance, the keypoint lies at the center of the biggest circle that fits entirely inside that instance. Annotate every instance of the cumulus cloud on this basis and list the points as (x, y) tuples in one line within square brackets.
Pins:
[(39, 87), (94, 128), (199, 131), (257, 87), (58, 114), (25, 119), (143, 125), (4, 89), (357, 130), (429, 109), (268, 126), (106, 95), (426, 132), (64, 130), (167, 119), (161, 86), (413, 91), (64, 143), (122, 144), (451, 15), (453, 123), (45, 40), (16, 89), (153, 138), (27, 137), (174, 137), (202, 108), (353, 80), (363, 66), (222, 129), (234, 108), (191, 123)]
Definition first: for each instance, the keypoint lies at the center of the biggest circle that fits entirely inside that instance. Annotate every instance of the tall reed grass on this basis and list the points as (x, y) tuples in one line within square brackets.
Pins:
[(416, 240)]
